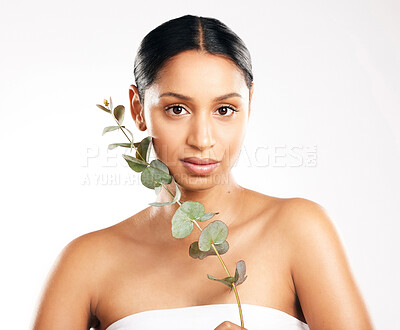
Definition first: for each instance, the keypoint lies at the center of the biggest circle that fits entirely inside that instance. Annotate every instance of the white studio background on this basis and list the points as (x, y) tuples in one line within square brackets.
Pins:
[(325, 126)]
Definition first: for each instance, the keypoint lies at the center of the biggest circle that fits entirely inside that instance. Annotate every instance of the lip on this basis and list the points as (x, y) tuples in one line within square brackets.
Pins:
[(200, 166), (200, 161)]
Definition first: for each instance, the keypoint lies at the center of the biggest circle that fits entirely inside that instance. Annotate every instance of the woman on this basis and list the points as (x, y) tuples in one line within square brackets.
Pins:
[(193, 96)]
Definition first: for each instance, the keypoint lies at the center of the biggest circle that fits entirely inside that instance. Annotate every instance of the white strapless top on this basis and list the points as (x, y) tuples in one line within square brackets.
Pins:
[(208, 317)]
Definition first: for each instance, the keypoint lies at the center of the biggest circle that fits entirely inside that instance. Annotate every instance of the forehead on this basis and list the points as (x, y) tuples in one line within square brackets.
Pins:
[(200, 74)]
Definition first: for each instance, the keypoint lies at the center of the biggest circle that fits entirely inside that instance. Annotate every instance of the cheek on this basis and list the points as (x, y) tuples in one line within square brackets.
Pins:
[(232, 140), (166, 141)]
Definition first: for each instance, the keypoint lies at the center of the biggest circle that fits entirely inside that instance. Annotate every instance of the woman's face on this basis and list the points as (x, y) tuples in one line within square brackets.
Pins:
[(199, 107)]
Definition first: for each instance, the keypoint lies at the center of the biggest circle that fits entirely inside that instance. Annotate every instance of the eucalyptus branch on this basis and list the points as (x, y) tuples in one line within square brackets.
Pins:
[(118, 115), (220, 259), (166, 188), (125, 133), (155, 175)]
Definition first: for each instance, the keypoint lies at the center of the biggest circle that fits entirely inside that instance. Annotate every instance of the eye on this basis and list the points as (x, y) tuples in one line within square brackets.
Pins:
[(225, 110), (176, 110)]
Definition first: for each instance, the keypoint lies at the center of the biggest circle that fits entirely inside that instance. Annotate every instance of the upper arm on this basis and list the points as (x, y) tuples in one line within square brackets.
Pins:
[(66, 300), (327, 291)]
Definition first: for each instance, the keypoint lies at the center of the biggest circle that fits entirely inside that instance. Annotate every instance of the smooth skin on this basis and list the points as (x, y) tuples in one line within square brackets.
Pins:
[(294, 257)]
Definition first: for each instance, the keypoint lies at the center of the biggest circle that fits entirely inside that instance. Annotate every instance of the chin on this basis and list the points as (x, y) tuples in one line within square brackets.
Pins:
[(192, 182)]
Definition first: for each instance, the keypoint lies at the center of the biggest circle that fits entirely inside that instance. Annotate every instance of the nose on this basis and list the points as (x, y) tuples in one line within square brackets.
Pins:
[(201, 134)]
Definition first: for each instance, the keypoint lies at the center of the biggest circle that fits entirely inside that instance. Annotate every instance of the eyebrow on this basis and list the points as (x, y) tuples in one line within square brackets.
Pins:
[(187, 98)]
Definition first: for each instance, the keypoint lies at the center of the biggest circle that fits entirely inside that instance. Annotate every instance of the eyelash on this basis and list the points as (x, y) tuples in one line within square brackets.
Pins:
[(225, 106)]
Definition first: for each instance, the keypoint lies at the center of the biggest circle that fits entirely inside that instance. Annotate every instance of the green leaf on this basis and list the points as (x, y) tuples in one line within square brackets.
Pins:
[(158, 164), (216, 232), (195, 252), (160, 176), (111, 104), (160, 204), (152, 176), (160, 171), (176, 198), (227, 280), (103, 108), (135, 164), (119, 113), (147, 179), (240, 272), (193, 209), (114, 145), (143, 149), (109, 129), (207, 216), (182, 225)]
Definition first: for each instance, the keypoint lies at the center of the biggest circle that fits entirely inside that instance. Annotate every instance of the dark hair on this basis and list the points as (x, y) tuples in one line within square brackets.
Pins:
[(185, 33)]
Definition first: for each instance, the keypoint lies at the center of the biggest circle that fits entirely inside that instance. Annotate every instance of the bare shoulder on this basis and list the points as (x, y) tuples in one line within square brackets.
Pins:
[(301, 215), (323, 279), (97, 250), (312, 234), (289, 212), (91, 248), (71, 289)]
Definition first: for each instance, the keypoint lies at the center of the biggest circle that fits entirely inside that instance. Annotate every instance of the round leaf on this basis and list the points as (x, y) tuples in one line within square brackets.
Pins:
[(195, 252), (160, 176), (240, 272), (135, 164), (193, 209), (147, 179), (216, 232), (158, 164), (143, 149), (182, 225), (153, 176), (119, 113)]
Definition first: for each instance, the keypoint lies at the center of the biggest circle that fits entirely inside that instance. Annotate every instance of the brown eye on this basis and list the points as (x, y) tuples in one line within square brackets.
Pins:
[(224, 110), (176, 110)]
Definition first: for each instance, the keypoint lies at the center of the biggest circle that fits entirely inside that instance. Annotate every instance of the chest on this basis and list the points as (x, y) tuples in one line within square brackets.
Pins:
[(152, 277)]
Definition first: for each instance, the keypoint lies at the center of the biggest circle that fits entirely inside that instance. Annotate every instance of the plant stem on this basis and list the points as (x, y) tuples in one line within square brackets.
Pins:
[(239, 305), (195, 222), (233, 284), (122, 129), (220, 259), (227, 272), (166, 188)]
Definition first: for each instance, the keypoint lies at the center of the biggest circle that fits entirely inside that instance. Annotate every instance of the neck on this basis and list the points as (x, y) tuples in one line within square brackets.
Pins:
[(225, 198)]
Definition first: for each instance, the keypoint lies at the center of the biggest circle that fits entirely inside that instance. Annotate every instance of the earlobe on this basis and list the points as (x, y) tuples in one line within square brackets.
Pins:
[(136, 108), (142, 126)]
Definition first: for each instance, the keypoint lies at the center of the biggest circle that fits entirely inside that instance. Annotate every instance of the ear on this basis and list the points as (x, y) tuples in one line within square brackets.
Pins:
[(137, 110), (250, 97)]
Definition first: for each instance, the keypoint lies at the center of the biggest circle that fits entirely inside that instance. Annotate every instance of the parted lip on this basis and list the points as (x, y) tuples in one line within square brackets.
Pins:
[(200, 161)]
